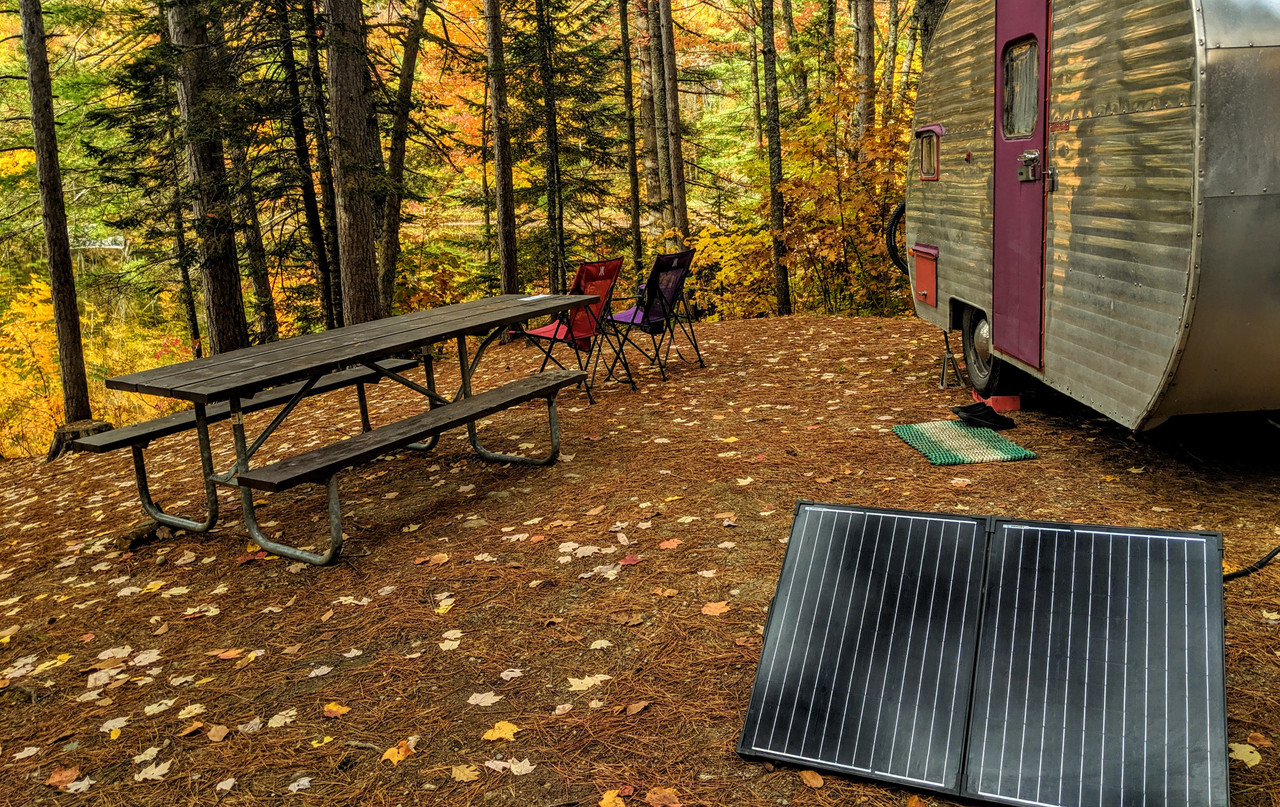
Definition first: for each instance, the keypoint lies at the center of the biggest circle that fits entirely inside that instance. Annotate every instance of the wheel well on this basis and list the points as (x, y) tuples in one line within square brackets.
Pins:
[(956, 313)]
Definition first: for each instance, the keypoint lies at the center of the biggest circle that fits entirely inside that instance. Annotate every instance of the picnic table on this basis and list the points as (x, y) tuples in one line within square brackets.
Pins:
[(281, 374)]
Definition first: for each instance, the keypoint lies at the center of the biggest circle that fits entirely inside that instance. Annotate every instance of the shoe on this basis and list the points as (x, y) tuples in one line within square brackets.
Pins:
[(983, 416)]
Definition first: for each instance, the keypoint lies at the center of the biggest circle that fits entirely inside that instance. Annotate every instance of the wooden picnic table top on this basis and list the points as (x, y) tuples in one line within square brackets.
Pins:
[(242, 373)]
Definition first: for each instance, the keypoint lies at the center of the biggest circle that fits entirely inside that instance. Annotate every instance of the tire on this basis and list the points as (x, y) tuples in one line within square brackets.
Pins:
[(895, 229), (987, 372)]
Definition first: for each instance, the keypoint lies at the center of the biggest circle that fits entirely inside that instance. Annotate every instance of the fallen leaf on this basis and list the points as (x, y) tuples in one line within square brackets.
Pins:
[(399, 752), (325, 741), (562, 709), (507, 675), (319, 671), (670, 543), (715, 608), (225, 785), (497, 765), (636, 708), (282, 719), (61, 777), (146, 756), (29, 751), (153, 772), (665, 592), (300, 784), (916, 801), (246, 661), (115, 724), (189, 730), (218, 733), (1245, 753), (502, 730), (583, 684), (811, 778), (465, 773), (484, 699), (1259, 739), (662, 797), (595, 511), (335, 709), (611, 799), (81, 785), (252, 727), (522, 766), (745, 481), (438, 559), (159, 706)]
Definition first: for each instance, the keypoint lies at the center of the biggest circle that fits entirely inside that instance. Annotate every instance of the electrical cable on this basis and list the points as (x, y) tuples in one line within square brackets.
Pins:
[(1248, 570)]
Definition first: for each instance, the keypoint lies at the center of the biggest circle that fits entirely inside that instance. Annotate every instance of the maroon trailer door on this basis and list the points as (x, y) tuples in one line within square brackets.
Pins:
[(1017, 283)]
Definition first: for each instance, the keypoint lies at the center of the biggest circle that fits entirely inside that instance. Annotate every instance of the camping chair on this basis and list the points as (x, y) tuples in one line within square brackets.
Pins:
[(582, 328), (661, 308)]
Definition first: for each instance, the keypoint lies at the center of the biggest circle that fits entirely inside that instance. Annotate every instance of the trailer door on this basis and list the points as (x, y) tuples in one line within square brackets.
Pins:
[(1017, 282)]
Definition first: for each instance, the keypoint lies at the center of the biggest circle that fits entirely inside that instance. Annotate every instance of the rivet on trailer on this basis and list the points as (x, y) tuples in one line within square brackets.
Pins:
[(1093, 200)]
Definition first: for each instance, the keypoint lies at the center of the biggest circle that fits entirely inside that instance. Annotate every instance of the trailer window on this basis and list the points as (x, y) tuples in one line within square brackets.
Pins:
[(1021, 89), (928, 138)]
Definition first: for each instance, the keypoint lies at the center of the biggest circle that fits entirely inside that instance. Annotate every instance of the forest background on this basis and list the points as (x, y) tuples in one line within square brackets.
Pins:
[(236, 172)]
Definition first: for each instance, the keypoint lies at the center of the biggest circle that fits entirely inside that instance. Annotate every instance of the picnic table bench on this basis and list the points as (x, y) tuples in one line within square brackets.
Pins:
[(281, 374)]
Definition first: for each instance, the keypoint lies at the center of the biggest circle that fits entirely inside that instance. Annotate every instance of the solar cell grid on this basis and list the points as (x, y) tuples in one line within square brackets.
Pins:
[(1009, 661)]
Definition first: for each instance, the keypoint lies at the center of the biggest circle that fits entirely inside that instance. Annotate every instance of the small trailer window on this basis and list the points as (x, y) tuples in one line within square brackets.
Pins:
[(929, 137), (1021, 88)]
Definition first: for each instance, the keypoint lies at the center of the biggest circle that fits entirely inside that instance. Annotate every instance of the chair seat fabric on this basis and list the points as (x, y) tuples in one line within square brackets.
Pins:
[(635, 316), (560, 333)]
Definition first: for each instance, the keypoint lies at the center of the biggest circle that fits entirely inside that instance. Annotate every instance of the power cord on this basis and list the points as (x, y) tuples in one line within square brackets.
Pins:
[(1248, 570)]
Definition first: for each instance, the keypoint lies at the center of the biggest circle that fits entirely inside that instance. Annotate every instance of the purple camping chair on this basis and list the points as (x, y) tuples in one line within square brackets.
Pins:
[(583, 329), (661, 308)]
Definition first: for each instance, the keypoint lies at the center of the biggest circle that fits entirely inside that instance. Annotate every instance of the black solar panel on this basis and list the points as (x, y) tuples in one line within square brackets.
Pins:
[(1008, 661), (869, 647), (1100, 669)]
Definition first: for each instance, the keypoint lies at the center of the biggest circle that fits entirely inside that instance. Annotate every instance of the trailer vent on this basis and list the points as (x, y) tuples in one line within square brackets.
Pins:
[(1000, 660)]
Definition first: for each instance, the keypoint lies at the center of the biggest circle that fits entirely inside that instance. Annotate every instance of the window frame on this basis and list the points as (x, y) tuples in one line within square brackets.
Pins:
[(1033, 44), (930, 137)]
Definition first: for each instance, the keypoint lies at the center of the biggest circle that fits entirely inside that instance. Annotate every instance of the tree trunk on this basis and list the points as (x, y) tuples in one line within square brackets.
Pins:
[(648, 129), (264, 305), (637, 246), (484, 182), (890, 67), (675, 149), (829, 43), (324, 161), (302, 156), (354, 174), (551, 132), (865, 64), (904, 80), (796, 58), (211, 207), (661, 140), (395, 160), (185, 292), (781, 283), (503, 192), (757, 128), (62, 281)]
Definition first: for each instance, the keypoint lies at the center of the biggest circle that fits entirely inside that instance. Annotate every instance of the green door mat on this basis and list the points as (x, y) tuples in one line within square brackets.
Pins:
[(950, 442)]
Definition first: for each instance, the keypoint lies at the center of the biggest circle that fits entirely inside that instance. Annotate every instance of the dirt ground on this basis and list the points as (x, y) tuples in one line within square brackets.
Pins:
[(605, 611)]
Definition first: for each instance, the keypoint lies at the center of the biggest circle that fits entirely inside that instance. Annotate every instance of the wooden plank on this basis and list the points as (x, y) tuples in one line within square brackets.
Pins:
[(145, 432), (247, 374), (173, 375), (321, 463)]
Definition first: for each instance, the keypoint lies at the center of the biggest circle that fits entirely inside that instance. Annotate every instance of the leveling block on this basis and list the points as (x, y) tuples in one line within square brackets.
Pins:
[(1001, 660), (950, 442)]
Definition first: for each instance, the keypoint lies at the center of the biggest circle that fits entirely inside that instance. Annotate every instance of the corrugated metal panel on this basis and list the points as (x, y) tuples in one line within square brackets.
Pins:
[(1120, 225), (954, 212)]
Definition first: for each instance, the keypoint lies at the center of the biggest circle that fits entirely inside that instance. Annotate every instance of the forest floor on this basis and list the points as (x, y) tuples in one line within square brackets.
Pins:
[(606, 611)]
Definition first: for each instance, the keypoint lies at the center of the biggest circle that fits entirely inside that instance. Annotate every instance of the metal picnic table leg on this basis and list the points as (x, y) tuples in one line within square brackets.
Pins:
[(250, 516), (210, 486), (469, 368)]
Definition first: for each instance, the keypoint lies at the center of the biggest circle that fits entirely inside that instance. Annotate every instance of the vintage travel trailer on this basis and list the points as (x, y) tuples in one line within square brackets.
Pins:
[(1093, 198)]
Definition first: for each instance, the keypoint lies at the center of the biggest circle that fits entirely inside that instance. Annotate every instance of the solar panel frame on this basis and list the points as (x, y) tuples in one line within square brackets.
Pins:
[(881, 579)]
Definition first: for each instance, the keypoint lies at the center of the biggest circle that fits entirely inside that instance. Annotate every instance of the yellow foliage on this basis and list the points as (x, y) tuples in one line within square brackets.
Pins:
[(30, 384), (16, 162)]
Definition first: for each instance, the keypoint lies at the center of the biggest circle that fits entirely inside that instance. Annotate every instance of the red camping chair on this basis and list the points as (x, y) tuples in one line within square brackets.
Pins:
[(583, 328)]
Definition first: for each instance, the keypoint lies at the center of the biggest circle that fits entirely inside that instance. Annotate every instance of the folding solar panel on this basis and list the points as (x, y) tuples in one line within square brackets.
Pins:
[(1003, 660)]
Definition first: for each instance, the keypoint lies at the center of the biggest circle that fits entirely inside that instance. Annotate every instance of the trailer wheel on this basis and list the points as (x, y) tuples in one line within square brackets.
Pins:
[(895, 237), (984, 367)]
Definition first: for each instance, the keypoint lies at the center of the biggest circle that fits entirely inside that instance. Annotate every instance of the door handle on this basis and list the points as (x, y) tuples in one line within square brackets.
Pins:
[(1029, 167), (1029, 157)]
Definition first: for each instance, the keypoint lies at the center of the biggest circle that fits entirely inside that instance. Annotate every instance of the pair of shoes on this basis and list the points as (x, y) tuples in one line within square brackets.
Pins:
[(982, 415)]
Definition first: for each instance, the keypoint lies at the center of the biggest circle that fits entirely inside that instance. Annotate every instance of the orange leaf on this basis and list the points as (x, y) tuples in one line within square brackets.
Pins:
[(636, 708), (398, 753), (1260, 740), (335, 709), (715, 608), (916, 801), (811, 778), (670, 543), (662, 797), (61, 777)]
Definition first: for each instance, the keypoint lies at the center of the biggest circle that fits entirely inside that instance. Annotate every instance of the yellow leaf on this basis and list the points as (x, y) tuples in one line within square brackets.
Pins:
[(335, 709), (465, 773), (153, 586), (611, 799), (115, 734), (1245, 753), (327, 739), (398, 753), (502, 730)]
